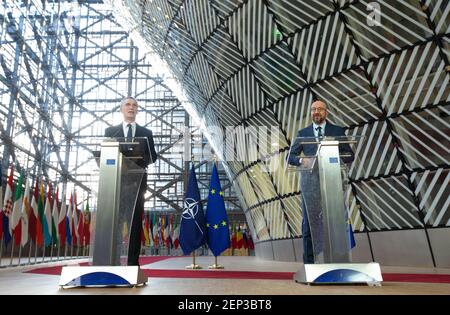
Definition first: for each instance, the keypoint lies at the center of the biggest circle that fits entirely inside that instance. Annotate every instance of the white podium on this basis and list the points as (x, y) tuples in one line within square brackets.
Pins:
[(323, 196), (119, 183), (101, 276)]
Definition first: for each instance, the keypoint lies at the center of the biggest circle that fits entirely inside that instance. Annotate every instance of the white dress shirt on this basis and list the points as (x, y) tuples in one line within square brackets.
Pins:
[(316, 132), (125, 128)]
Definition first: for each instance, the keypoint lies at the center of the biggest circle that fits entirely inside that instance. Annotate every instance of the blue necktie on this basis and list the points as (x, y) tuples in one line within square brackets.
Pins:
[(129, 133)]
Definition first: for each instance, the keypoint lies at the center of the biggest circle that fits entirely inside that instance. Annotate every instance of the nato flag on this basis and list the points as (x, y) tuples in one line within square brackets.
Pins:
[(217, 225), (192, 226), (352, 237)]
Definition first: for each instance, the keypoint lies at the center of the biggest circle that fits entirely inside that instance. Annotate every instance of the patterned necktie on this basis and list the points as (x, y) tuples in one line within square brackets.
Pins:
[(319, 132), (129, 133)]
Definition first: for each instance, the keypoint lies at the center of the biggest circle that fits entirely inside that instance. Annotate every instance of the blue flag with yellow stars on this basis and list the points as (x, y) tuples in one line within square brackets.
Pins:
[(192, 226), (217, 225)]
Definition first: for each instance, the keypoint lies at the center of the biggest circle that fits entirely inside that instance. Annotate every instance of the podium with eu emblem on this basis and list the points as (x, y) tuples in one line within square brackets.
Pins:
[(321, 181), (119, 182)]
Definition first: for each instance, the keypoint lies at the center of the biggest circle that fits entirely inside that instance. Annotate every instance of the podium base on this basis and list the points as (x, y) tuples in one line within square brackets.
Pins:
[(340, 273), (98, 276)]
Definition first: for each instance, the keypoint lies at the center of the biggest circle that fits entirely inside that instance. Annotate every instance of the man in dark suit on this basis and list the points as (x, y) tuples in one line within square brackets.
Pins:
[(309, 182), (129, 129)]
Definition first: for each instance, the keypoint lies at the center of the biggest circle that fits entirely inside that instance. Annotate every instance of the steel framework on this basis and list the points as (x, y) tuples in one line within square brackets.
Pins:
[(383, 72), (64, 68)]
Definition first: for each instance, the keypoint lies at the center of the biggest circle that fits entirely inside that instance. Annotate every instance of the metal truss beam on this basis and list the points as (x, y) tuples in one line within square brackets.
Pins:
[(57, 84)]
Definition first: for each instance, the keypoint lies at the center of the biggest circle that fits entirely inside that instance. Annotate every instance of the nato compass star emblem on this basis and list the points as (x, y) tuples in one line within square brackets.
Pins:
[(190, 210)]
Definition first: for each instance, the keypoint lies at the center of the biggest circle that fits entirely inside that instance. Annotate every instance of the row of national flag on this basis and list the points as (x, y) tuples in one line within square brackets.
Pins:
[(160, 231), (164, 231), (28, 213), (241, 239)]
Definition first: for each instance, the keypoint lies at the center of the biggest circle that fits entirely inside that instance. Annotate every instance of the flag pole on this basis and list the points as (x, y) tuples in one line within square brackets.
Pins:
[(12, 251), (1, 247), (66, 245), (35, 252), (20, 254), (51, 251), (29, 251), (193, 266), (216, 265)]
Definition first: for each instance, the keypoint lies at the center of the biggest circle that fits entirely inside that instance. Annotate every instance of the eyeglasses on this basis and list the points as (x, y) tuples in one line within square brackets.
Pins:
[(318, 110)]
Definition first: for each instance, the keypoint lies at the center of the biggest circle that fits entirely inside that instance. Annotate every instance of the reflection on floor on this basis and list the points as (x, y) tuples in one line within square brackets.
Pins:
[(266, 278)]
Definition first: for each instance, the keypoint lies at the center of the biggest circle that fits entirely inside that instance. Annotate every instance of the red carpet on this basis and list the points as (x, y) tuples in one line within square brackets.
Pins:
[(227, 274), (408, 277), (176, 273)]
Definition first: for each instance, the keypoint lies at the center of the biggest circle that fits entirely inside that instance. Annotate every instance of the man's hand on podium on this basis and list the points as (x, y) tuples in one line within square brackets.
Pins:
[(307, 163)]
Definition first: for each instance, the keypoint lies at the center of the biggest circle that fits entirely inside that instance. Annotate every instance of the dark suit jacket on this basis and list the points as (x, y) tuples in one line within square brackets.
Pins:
[(149, 156), (310, 149)]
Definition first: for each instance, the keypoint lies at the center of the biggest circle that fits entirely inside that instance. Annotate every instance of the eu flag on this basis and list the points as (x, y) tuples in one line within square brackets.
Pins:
[(218, 231), (192, 226)]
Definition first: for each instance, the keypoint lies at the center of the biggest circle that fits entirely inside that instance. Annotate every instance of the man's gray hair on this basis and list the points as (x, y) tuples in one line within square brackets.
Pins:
[(127, 98)]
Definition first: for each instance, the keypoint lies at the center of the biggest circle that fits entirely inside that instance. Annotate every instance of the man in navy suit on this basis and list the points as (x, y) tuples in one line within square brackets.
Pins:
[(129, 129), (309, 182)]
